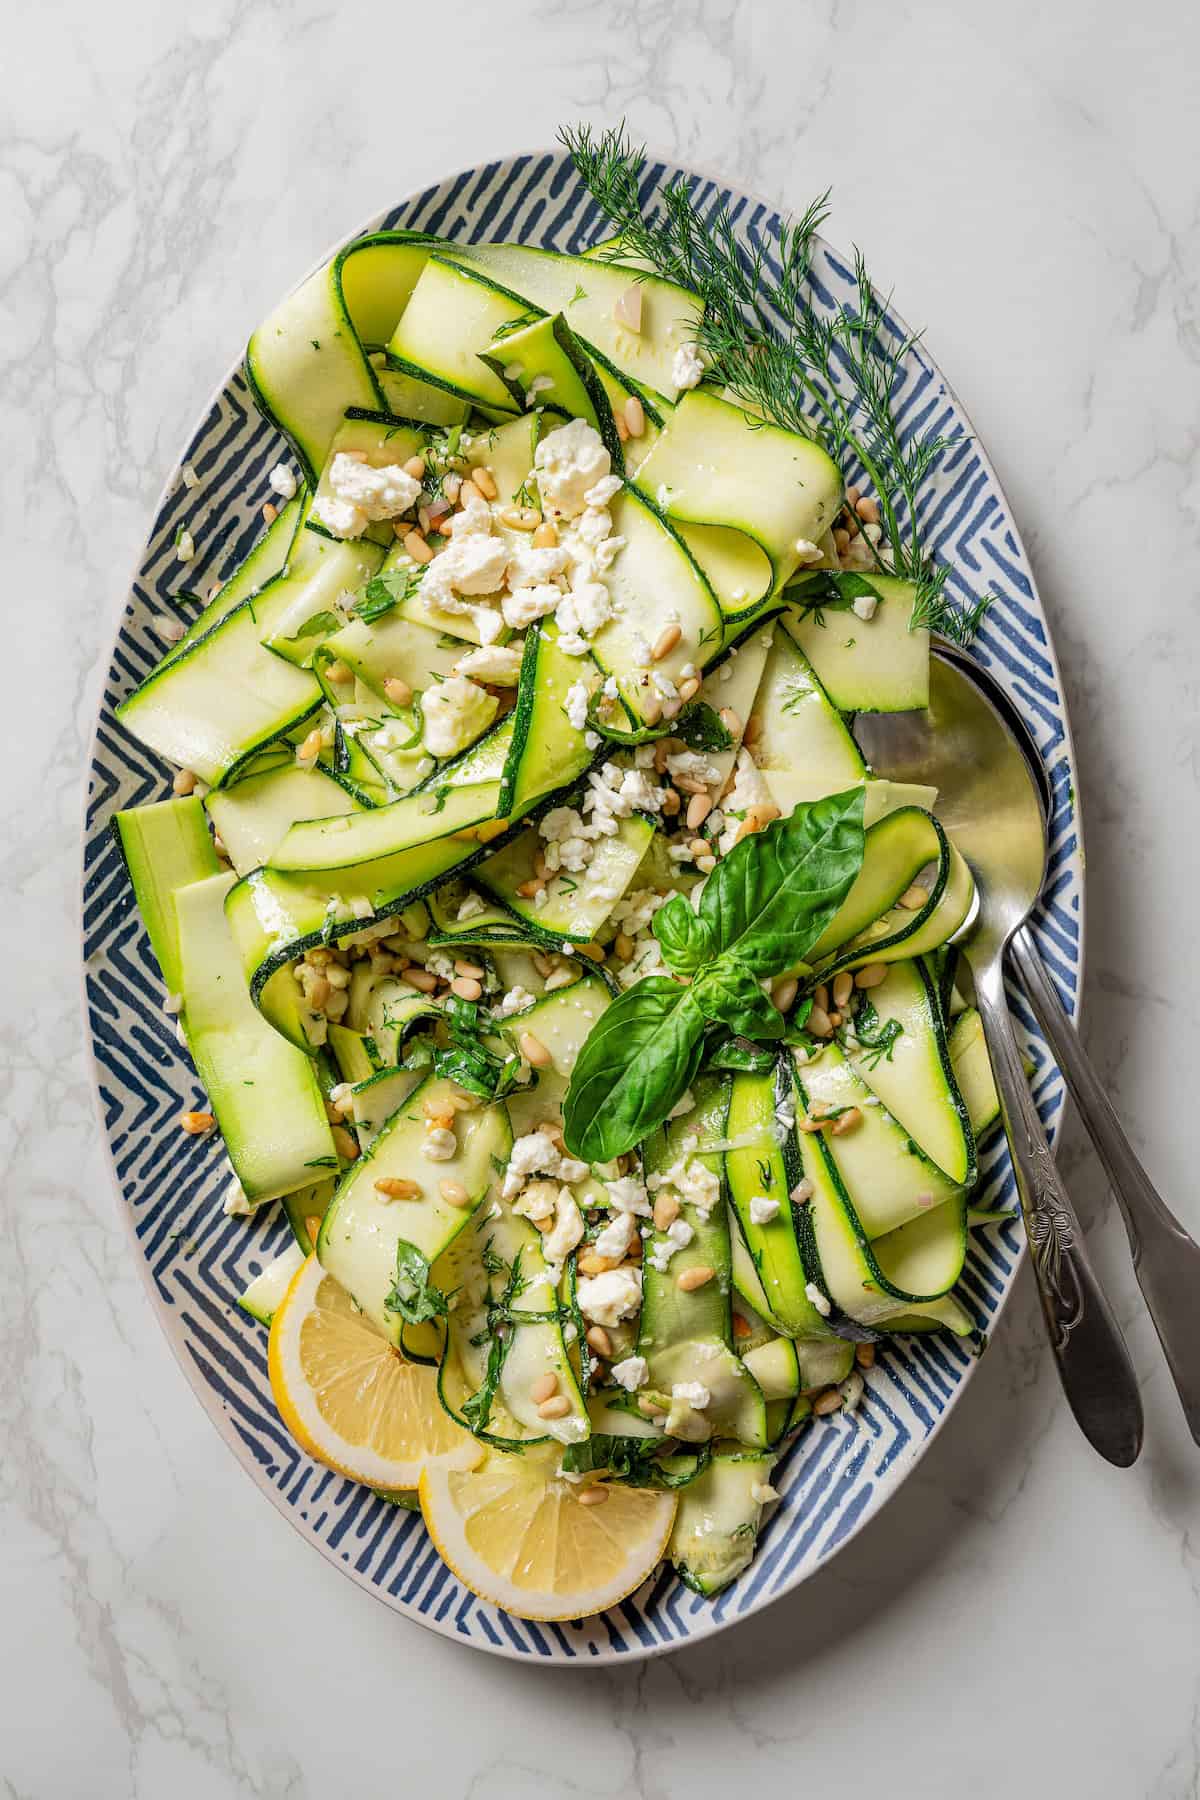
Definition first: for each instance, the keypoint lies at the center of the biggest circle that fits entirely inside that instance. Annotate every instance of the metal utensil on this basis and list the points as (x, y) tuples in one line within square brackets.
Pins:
[(1166, 1260), (990, 804)]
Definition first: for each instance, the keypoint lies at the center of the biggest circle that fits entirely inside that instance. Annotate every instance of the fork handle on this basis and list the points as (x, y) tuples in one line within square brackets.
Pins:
[(1093, 1362), (1165, 1259)]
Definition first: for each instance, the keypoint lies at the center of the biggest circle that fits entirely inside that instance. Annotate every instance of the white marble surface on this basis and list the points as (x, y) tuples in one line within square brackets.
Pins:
[(1022, 1619)]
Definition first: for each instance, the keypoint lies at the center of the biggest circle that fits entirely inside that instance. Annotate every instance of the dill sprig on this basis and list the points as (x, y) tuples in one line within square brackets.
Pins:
[(834, 376)]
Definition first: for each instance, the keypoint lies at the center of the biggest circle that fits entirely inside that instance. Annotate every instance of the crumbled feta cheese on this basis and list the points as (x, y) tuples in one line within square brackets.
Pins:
[(235, 1202), (762, 1493), (591, 740), (282, 481), (499, 664), (864, 607), (749, 790), (627, 1194), (687, 370), (604, 490), (367, 492), (575, 704), (585, 609), (569, 461), (763, 1209), (816, 1298), (456, 712), (516, 999), (440, 1144), (523, 605), (538, 1201), (530, 565), (470, 564), (475, 519), (534, 1154), (694, 766), (593, 526), (679, 1234), (616, 1237), (630, 1374), (567, 1230), (571, 1169), (185, 545), (614, 1295), (852, 1391), (471, 908), (807, 551), (802, 1191), (692, 1393)]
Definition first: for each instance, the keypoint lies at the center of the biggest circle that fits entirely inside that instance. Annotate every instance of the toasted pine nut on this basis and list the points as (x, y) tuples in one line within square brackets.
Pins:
[(546, 535), (470, 969), (698, 847), (913, 898), (310, 749), (595, 1495), (828, 1402), (417, 548), (652, 709), (599, 1341), (359, 456), (319, 956), (867, 510), (687, 784), (528, 889), (666, 641), (846, 1121), (699, 807), (635, 416), (440, 1121), (434, 1109), (415, 466), (622, 428), (870, 975), (843, 987), (821, 996), (741, 1327), (671, 802), (754, 729), (468, 492), (864, 1355), (543, 1387), (841, 540), (345, 1145), (730, 721), (421, 979), (623, 945), (397, 691), (338, 672), (396, 1187), (270, 513), (533, 1050), (485, 481), (520, 518), (319, 991), (835, 1018), (590, 1262), (184, 782), (466, 988), (555, 1408), (542, 964), (666, 1210), (689, 689), (697, 1277), (784, 993), (852, 494), (196, 1123), (333, 1113), (811, 1123), (649, 1408)]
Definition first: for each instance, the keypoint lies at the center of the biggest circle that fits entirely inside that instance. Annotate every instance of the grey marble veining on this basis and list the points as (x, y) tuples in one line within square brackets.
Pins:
[(1020, 1618)]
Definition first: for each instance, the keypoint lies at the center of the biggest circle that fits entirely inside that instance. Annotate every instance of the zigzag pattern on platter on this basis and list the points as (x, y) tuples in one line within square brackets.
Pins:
[(837, 1472)]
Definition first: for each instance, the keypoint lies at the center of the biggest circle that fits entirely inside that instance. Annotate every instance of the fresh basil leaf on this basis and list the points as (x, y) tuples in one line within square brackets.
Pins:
[(771, 898), (413, 1295), (701, 728), (637, 1061), (728, 994), (831, 590), (383, 592), (739, 1053), (634, 1461), (686, 939), (319, 625)]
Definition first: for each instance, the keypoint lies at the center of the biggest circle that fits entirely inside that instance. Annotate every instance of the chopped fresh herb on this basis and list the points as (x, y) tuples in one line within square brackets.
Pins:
[(319, 624), (413, 1295), (382, 592)]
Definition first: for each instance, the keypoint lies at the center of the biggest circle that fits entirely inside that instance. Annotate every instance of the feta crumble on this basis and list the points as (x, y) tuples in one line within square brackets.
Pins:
[(630, 1374), (763, 1209), (608, 1298), (282, 481), (687, 370)]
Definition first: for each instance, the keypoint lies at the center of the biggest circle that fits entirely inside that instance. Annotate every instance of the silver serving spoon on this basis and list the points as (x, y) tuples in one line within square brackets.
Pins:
[(990, 804)]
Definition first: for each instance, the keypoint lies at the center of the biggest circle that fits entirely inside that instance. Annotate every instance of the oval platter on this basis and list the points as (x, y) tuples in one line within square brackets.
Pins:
[(839, 1471)]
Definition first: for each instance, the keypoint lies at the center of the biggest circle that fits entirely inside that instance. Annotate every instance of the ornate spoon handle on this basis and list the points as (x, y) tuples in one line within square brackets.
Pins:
[(1165, 1259), (1093, 1363)]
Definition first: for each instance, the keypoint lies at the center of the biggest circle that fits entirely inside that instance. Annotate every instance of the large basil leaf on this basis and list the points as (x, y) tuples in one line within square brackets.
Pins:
[(637, 1061), (730, 995), (775, 893), (686, 939)]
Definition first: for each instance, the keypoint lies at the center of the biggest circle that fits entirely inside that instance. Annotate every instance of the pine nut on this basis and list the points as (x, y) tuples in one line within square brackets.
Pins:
[(652, 709), (338, 672), (843, 987), (635, 416), (556, 1408), (417, 548), (698, 847), (270, 513), (543, 964), (333, 1113), (520, 518), (310, 749), (415, 466), (337, 976), (913, 898), (421, 979), (440, 1121), (529, 889), (671, 802), (666, 1210), (753, 731), (622, 428), (473, 970), (864, 1355), (595, 1495), (590, 1262), (689, 689), (841, 540), (533, 1050), (811, 1123), (828, 1402), (465, 988), (434, 1109), (852, 494), (867, 510), (319, 957), (470, 492), (543, 1387), (694, 1278), (397, 691), (491, 828), (699, 807), (730, 721), (835, 1018), (184, 782), (345, 1145), (196, 1123), (687, 784), (821, 996), (599, 1341), (666, 641), (359, 456), (649, 1408), (318, 993), (395, 1187), (485, 481), (870, 975), (784, 993), (623, 945), (741, 1327), (846, 1121), (546, 535)]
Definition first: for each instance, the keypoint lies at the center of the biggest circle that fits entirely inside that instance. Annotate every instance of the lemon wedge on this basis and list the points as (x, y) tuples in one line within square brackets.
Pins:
[(541, 1547), (349, 1399)]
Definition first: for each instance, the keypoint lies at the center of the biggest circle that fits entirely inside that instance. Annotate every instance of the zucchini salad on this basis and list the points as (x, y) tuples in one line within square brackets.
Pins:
[(540, 938)]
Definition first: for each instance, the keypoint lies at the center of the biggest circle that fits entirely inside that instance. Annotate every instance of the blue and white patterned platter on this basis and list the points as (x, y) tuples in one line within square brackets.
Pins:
[(840, 1471)]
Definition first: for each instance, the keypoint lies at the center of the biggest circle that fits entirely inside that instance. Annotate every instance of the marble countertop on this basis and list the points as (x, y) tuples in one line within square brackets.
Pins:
[(1022, 1619)]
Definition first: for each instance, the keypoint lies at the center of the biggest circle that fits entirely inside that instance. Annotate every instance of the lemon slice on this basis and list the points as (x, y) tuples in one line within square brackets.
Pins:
[(520, 1536), (349, 1399)]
